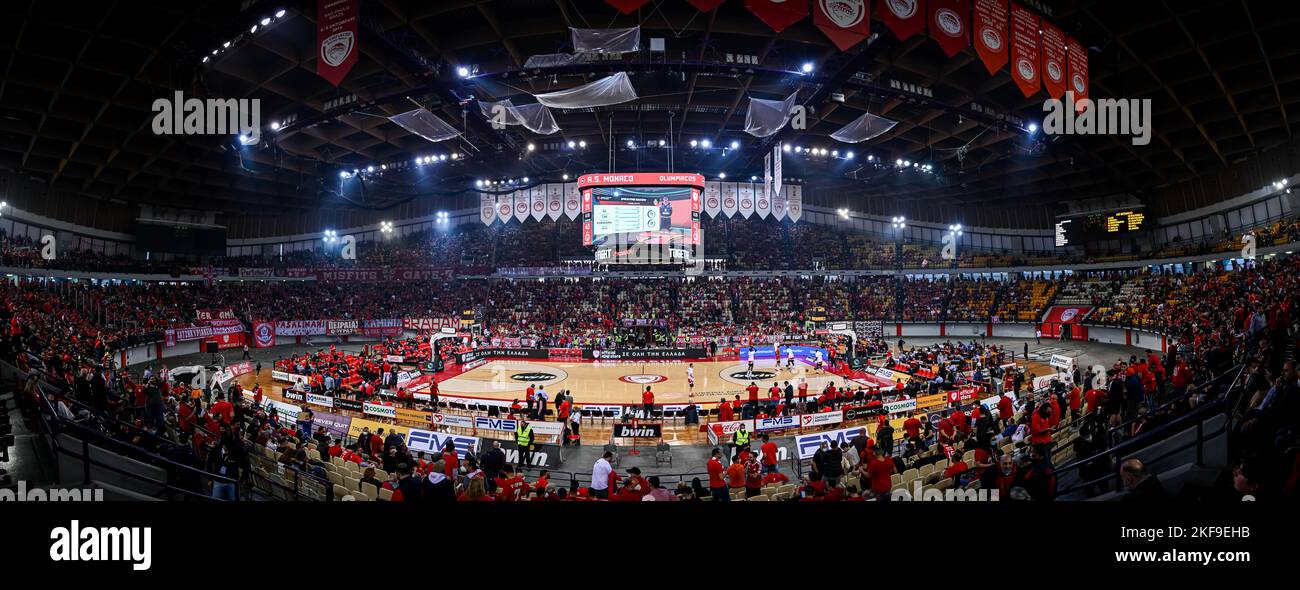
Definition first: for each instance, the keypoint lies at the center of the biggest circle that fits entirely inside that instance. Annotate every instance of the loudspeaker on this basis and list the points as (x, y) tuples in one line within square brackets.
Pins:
[(210, 347)]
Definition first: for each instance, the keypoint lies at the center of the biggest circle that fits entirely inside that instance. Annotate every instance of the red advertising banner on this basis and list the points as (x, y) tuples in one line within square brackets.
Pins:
[(1077, 56), (990, 24), (948, 25), (263, 334), (904, 17), (778, 14), (225, 341), (845, 22), (336, 38), (1053, 48), (627, 6), (1024, 49), (963, 394)]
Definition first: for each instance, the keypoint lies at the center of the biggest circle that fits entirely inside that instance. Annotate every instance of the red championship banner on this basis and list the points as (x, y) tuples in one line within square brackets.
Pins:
[(1053, 48), (627, 6), (845, 22), (1024, 49), (263, 334), (778, 14), (1077, 56), (949, 25), (904, 17), (705, 5), (990, 24), (336, 38)]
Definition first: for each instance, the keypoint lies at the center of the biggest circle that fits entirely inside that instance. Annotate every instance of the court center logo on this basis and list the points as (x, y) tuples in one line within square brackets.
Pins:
[(643, 379), (1106, 116), (211, 116), (756, 374), (534, 376)]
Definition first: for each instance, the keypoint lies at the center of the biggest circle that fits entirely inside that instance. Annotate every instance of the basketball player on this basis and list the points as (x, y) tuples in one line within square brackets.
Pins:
[(776, 354), (690, 379), (818, 363), (789, 358), (750, 371)]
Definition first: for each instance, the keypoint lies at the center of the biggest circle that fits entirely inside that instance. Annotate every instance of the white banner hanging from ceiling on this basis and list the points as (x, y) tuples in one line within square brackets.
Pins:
[(745, 198), (610, 90), (763, 202), (487, 208), (767, 179), (521, 205), (729, 199), (554, 201), (778, 206), (572, 202), (777, 193), (506, 207), (539, 202), (712, 198), (794, 202)]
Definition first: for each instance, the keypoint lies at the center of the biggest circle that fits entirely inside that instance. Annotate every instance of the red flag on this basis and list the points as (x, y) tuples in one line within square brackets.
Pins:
[(948, 24), (1077, 56), (1053, 47), (990, 24), (705, 5), (845, 22), (1024, 49), (336, 39), (626, 6), (904, 17), (778, 14)]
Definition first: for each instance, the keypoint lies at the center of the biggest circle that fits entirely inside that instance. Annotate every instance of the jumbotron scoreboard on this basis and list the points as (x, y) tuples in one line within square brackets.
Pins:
[(641, 218), (1098, 226)]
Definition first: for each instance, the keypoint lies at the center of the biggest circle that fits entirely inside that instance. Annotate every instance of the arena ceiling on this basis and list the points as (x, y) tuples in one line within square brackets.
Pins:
[(78, 84)]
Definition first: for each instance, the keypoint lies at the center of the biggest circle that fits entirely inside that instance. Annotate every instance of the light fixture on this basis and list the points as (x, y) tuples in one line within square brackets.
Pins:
[(807, 67), (631, 144), (279, 13), (898, 162), (462, 71), (663, 142), (275, 125), (582, 143), (753, 178), (735, 145), (386, 227), (572, 144), (266, 21), (565, 176), (849, 155), (205, 59), (1033, 128), (253, 30), (955, 229), (525, 179), (798, 149), (531, 147), (870, 158), (225, 45), (247, 139), (695, 143), (455, 155), (370, 168), (785, 148), (844, 213), (835, 153), (722, 175), (478, 182), (383, 166)]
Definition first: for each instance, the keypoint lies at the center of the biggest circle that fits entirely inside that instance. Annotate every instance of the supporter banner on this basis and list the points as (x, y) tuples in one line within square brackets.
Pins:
[(931, 401), (299, 273), (845, 22), (351, 275), (451, 420), (1077, 59), (342, 327), (185, 334), (263, 334), (381, 410), (427, 441), (357, 424), (256, 273), (506, 207), (572, 201), (1053, 48), (572, 353), (745, 202), (807, 444), (487, 209), (320, 400), (644, 353), (729, 198), (429, 324), (300, 328), (389, 327), (778, 14), (336, 38), (209, 315), (904, 17), (778, 423), (554, 201), (897, 407), (821, 419), (335, 424), (537, 200), (869, 329), (638, 431), (948, 20), (794, 202), (990, 23), (1024, 49), (961, 395)]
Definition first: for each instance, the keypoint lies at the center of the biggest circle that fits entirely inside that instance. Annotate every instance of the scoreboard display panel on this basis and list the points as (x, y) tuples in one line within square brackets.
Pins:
[(641, 218), (1098, 226)]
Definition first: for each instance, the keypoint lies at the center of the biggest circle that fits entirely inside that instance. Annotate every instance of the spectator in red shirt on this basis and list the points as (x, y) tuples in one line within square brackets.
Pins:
[(648, 400), (879, 471), (753, 392), (724, 410), (717, 485), (1005, 410), (769, 451), (224, 409)]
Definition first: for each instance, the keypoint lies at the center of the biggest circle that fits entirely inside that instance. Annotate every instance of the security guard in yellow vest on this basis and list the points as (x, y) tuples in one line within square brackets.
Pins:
[(524, 442), (739, 440)]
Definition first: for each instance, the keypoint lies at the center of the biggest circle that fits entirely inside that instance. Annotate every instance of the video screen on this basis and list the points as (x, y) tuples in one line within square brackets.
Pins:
[(628, 219)]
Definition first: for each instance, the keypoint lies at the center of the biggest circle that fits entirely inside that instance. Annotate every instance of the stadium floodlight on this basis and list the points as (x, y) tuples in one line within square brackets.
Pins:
[(954, 229), (225, 45), (695, 143), (253, 30), (478, 182), (525, 179), (663, 142), (706, 144), (565, 176), (265, 21), (205, 59), (848, 155), (807, 68), (870, 157), (798, 149), (462, 71), (279, 13), (753, 178), (275, 125), (383, 166), (246, 139), (844, 213), (631, 144), (735, 145), (582, 143), (1033, 128), (370, 168), (835, 153), (344, 174), (455, 155), (531, 147), (722, 175), (442, 157), (386, 227), (785, 148), (899, 222)]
